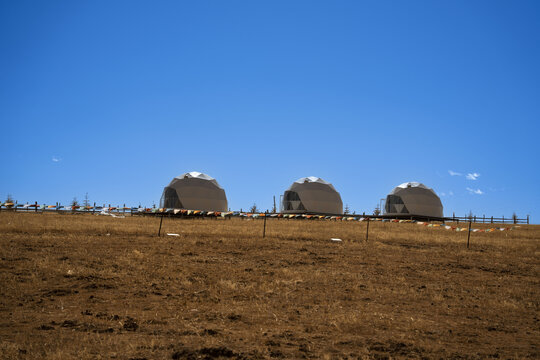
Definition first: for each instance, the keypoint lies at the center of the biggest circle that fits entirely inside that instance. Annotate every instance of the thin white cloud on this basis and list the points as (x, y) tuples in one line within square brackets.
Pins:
[(453, 173), (472, 176), (473, 191), (56, 159), (449, 193)]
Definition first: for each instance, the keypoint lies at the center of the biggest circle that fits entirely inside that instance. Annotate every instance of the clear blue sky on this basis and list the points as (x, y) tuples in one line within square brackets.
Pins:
[(115, 98)]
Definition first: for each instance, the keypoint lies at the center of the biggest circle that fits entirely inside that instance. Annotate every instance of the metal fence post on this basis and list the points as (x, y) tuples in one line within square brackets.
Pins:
[(264, 226), (160, 222), (367, 229), (469, 234)]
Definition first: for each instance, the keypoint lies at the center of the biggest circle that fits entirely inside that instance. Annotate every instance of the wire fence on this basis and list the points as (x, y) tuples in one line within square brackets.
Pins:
[(184, 213), (452, 224)]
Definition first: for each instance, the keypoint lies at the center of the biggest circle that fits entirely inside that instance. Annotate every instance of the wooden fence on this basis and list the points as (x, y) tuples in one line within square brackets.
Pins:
[(490, 219)]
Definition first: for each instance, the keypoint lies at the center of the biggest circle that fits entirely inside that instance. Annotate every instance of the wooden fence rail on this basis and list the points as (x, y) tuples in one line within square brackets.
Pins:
[(490, 219)]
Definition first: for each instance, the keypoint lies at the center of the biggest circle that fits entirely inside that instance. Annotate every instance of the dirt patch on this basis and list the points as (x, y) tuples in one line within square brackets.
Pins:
[(207, 353), (130, 324)]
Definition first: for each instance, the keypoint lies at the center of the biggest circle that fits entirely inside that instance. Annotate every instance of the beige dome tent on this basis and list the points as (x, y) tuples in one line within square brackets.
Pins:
[(413, 199), (194, 191), (312, 195)]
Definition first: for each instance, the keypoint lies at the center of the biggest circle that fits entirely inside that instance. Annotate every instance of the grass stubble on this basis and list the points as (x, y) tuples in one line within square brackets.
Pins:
[(87, 287)]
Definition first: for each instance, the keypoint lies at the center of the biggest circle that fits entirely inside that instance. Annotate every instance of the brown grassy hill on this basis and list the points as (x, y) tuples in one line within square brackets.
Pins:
[(83, 286)]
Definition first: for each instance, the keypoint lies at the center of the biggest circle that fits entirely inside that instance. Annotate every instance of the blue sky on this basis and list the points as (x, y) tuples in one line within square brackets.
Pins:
[(115, 98)]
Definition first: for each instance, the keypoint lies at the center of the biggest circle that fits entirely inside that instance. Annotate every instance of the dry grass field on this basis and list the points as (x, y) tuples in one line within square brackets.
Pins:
[(90, 287)]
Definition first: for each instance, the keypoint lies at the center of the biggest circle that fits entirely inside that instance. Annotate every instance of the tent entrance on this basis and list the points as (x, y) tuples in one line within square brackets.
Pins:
[(170, 199), (292, 202), (395, 205)]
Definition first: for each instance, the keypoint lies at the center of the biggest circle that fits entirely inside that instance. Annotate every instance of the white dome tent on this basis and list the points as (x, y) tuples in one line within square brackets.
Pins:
[(194, 191), (312, 195), (412, 199)]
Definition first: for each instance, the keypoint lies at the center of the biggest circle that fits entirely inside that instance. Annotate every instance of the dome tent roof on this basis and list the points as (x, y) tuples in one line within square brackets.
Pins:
[(196, 175), (413, 198), (313, 179), (410, 184), (194, 191), (312, 195)]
